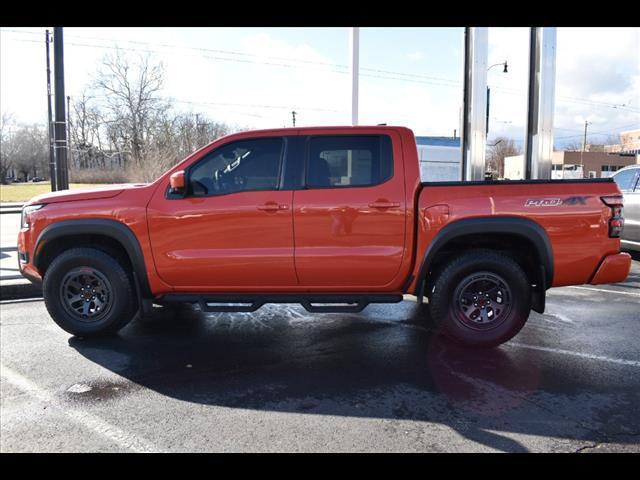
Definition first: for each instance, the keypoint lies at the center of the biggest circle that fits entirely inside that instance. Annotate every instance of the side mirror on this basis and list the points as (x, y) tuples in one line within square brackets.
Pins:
[(176, 181)]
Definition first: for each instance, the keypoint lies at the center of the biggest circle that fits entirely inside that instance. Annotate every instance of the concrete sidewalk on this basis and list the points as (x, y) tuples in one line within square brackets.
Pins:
[(12, 284)]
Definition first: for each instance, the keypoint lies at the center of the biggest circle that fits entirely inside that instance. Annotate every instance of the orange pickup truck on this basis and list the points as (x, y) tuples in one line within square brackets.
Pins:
[(333, 218)]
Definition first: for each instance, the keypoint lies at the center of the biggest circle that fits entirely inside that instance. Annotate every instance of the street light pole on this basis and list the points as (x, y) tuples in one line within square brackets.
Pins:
[(489, 90), (488, 103)]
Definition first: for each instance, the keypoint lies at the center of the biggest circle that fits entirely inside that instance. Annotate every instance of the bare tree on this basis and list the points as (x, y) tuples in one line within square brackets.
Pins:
[(30, 151), (612, 140), (500, 148), (7, 146), (573, 146), (122, 127), (133, 102), (176, 136)]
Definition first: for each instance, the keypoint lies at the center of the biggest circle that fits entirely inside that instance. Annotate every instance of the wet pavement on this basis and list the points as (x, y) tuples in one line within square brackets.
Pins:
[(283, 379)]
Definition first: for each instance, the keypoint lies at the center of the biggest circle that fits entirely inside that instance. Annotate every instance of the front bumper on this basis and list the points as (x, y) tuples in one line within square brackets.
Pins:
[(612, 269), (27, 270)]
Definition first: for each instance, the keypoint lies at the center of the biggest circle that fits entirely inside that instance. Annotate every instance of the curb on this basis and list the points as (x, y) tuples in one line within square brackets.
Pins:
[(16, 291), (11, 207)]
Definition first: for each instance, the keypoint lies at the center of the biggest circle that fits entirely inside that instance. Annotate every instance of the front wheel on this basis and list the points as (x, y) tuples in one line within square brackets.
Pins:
[(88, 293), (481, 299)]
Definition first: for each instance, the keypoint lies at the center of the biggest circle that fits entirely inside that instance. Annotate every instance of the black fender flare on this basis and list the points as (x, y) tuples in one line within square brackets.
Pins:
[(108, 228), (528, 229)]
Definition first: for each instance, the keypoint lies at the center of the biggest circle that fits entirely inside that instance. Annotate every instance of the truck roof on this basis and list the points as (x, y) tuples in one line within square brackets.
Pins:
[(328, 128)]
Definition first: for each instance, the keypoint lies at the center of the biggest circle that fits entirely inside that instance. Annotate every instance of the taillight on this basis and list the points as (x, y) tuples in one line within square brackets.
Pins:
[(616, 222)]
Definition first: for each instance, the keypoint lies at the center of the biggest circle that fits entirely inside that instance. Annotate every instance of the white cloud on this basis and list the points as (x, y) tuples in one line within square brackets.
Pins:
[(415, 56), (260, 88), (594, 66)]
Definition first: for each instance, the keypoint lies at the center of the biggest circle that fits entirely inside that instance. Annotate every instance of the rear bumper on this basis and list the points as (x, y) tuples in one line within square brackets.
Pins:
[(613, 269)]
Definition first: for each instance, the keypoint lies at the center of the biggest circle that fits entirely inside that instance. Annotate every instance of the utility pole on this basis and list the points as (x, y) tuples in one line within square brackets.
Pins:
[(355, 62), (293, 118), (53, 171), (60, 125), (198, 131), (584, 141), (69, 130), (584, 145)]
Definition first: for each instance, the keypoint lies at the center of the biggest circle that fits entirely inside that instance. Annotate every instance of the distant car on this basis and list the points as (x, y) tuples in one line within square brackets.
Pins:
[(628, 180), (37, 179)]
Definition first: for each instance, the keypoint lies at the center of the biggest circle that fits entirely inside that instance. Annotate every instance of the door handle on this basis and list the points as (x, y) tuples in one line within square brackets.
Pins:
[(384, 205), (272, 207)]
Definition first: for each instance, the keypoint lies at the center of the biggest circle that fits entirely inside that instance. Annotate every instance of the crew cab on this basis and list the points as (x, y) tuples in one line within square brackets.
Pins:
[(333, 218)]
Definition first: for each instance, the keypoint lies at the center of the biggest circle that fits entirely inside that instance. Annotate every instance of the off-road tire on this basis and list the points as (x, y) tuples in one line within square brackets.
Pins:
[(122, 302), (443, 296)]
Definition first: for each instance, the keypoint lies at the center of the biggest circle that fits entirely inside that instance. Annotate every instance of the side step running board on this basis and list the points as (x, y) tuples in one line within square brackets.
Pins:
[(312, 303)]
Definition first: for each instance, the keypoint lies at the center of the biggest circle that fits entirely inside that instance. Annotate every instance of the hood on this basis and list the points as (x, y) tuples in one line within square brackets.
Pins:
[(91, 193)]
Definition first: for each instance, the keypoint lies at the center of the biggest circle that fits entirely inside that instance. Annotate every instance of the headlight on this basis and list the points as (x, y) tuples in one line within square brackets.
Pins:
[(26, 211)]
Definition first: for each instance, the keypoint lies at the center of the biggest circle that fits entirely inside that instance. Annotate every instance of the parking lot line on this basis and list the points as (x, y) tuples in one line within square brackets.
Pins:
[(603, 290), (620, 361), (86, 419)]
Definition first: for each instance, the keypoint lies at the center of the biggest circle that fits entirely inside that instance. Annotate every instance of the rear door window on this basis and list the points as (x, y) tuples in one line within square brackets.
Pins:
[(348, 161)]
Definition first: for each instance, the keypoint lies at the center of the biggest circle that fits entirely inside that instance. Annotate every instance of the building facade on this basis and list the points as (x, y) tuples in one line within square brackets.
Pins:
[(575, 164), (629, 143), (439, 158)]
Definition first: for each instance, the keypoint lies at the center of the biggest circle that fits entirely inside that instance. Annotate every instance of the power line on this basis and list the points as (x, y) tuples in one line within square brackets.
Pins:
[(247, 105), (433, 80), (614, 130)]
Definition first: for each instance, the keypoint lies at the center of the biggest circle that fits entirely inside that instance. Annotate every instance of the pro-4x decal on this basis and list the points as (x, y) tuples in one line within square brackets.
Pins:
[(555, 202)]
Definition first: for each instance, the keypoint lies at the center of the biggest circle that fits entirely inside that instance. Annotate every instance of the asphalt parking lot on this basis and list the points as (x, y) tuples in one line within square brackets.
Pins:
[(282, 379)]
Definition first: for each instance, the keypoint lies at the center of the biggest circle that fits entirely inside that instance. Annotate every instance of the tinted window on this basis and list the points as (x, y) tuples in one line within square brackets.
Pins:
[(239, 166), (347, 161), (625, 179)]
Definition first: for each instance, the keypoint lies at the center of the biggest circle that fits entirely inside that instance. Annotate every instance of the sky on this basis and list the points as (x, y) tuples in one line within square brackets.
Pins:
[(255, 77)]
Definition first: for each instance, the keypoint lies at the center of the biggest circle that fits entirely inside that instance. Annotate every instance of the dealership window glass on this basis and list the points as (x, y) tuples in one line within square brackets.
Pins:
[(349, 161), (625, 179), (239, 166)]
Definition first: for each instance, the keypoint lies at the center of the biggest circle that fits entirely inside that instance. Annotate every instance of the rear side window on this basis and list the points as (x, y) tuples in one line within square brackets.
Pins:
[(246, 165), (625, 179), (348, 161)]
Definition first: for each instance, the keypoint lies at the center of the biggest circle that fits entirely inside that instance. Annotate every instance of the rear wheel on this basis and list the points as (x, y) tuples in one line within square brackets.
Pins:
[(481, 299), (88, 293)]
